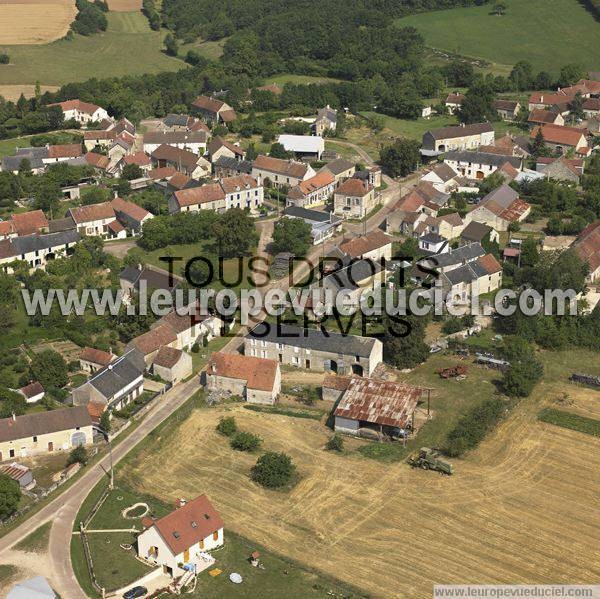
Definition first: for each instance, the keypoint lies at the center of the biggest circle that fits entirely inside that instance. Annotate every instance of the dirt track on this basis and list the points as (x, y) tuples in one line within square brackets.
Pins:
[(520, 509)]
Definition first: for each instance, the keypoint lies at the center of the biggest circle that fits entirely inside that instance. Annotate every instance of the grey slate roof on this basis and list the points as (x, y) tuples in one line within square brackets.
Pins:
[(118, 374), (444, 171), (153, 278), (504, 196), (338, 166), (475, 231), (431, 237), (459, 255), (42, 423), (31, 243), (316, 216), (459, 131), (315, 339), (179, 120), (349, 276), (462, 274), (496, 160), (241, 166), (61, 224)]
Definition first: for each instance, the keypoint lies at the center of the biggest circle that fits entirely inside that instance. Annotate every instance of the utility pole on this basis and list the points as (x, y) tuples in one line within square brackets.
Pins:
[(111, 484)]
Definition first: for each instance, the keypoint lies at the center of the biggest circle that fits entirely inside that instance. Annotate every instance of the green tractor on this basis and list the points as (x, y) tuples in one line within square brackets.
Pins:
[(429, 459)]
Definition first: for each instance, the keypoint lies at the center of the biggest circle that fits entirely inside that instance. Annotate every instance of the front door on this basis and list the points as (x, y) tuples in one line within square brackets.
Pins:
[(186, 556), (50, 446)]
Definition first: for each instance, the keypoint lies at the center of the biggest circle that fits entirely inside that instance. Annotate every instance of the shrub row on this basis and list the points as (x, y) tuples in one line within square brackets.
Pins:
[(574, 422)]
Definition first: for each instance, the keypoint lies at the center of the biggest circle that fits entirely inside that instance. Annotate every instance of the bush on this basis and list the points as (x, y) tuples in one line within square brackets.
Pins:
[(452, 325), (227, 426), (78, 455), (243, 441), (4, 58), (473, 427), (10, 495), (273, 470), (336, 443), (195, 348)]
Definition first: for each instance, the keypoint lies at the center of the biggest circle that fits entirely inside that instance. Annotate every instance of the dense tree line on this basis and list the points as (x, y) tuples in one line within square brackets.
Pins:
[(91, 17)]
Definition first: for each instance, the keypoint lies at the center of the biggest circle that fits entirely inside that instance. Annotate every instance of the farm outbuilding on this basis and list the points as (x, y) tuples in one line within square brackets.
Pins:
[(378, 405)]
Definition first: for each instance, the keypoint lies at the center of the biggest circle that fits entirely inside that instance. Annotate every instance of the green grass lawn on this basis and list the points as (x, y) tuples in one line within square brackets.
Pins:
[(284, 78), (547, 33), (212, 50), (8, 574), (116, 567), (127, 47), (37, 541)]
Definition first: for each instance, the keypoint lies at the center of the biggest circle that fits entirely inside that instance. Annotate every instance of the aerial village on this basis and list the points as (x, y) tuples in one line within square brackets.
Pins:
[(469, 200)]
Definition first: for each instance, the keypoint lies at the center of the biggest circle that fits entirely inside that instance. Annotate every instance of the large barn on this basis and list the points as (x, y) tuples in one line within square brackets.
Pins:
[(378, 405)]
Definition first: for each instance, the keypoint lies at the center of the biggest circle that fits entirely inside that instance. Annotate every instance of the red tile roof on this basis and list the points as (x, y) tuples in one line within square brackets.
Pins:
[(568, 136), (139, 158), (359, 246), (164, 172), (85, 107), (541, 115), (305, 188), (96, 356), (27, 223), (208, 104), (7, 227), (587, 245), (287, 168), (65, 151), (154, 339), (176, 156), (237, 183), (95, 410), (116, 227), (86, 214), (32, 390), (189, 524), (97, 160), (167, 356), (179, 180), (354, 187), (129, 209), (455, 99), (489, 263), (259, 373), (194, 196)]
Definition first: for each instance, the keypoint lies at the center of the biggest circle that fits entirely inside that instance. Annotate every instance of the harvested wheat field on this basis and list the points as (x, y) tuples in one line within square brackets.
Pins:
[(13, 92), (521, 508), (35, 21), (124, 5)]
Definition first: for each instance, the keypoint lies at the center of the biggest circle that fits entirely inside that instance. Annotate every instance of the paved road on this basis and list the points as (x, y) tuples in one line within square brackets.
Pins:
[(63, 509)]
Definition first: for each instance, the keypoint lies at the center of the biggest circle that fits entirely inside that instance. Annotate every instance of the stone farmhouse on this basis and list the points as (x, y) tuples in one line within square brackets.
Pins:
[(312, 192), (354, 199), (314, 349), (340, 169), (587, 246), (92, 360), (257, 380), (563, 139), (184, 161), (192, 141), (213, 111), (326, 121), (280, 173), (499, 209), (461, 137), (44, 432)]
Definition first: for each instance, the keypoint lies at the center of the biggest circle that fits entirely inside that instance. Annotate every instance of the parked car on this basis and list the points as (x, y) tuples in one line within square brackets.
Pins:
[(135, 592)]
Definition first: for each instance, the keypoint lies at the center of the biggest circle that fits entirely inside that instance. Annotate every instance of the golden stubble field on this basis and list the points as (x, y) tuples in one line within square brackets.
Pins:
[(34, 21), (522, 508)]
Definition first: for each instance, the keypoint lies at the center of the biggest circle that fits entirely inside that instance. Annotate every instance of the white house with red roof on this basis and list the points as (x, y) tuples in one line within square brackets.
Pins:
[(180, 542), (97, 220), (82, 112)]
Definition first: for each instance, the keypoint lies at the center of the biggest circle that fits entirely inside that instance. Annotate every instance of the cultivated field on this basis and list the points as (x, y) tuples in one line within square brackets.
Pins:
[(519, 509), (35, 21), (128, 47), (547, 33), (124, 5), (13, 92)]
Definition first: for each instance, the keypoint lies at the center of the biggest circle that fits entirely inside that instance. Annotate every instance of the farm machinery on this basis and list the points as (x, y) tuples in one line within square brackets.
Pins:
[(429, 459), (460, 370)]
